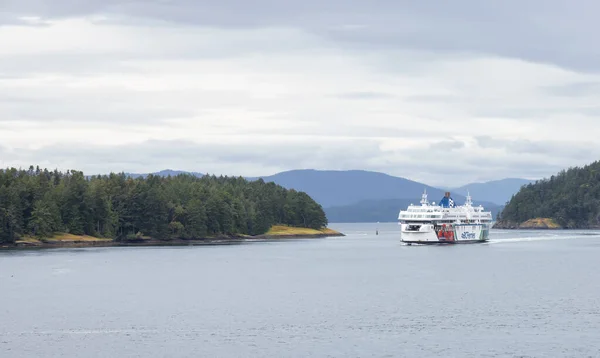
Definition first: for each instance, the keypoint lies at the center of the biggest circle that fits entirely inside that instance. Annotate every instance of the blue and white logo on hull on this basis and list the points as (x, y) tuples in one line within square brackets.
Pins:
[(468, 235)]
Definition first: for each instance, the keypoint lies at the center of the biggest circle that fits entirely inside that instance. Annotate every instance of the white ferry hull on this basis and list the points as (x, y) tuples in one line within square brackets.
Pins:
[(460, 234), (444, 223)]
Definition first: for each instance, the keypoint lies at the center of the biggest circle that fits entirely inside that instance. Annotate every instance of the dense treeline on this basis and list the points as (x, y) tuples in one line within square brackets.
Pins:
[(40, 202), (571, 198)]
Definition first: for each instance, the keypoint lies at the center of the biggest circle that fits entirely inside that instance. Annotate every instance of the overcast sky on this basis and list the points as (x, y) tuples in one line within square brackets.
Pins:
[(444, 93)]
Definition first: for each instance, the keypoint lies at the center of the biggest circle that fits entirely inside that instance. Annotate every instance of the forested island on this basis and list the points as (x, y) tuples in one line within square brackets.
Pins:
[(568, 200), (51, 208)]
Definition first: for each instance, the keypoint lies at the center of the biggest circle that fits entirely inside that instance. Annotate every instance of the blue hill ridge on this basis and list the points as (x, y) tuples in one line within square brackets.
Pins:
[(368, 196)]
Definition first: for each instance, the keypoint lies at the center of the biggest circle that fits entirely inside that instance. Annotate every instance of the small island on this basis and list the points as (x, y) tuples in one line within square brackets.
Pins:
[(568, 200), (44, 209)]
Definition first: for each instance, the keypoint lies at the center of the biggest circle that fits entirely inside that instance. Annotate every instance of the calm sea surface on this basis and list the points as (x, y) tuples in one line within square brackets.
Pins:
[(524, 294)]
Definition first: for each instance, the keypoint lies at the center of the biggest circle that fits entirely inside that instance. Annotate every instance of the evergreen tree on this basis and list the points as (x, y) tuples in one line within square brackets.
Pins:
[(571, 198), (39, 202)]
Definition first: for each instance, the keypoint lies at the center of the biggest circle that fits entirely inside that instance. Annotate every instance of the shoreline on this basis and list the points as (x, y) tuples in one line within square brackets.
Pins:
[(85, 242), (534, 223), (549, 228)]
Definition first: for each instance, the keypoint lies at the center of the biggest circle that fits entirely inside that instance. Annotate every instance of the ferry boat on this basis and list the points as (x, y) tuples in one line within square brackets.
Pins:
[(445, 222)]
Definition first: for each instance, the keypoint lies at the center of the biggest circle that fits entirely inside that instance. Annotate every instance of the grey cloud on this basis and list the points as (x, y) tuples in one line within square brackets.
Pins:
[(100, 113), (239, 159), (434, 166), (447, 145), (325, 127), (563, 34), (364, 95), (535, 113), (75, 64), (550, 149), (227, 13), (593, 111), (578, 89), (518, 113), (91, 61), (109, 104), (59, 8), (248, 159), (11, 100), (435, 98), (489, 142), (449, 28), (440, 164), (89, 110), (7, 19)]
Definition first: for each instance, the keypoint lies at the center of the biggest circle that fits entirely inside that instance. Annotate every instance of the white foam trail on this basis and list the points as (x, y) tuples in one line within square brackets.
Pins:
[(535, 238)]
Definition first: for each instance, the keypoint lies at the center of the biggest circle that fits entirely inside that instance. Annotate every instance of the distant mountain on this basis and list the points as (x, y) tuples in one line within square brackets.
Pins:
[(383, 210), (496, 191), (366, 196), (338, 188), (164, 173)]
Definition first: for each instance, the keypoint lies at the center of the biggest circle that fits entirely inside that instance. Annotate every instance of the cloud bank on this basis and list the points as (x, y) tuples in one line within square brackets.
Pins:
[(447, 94)]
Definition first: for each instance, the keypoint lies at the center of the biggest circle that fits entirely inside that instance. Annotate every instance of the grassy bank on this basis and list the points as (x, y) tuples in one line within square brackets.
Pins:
[(539, 223), (70, 240), (536, 223), (61, 238), (283, 230)]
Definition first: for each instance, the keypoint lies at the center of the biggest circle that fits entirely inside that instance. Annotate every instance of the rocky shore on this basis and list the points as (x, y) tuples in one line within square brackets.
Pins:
[(537, 223), (81, 241)]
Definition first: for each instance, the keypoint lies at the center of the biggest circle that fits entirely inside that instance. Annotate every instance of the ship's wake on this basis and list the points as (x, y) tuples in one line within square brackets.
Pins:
[(573, 236)]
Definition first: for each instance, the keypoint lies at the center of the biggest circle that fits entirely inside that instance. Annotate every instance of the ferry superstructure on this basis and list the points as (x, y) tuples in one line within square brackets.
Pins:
[(444, 223)]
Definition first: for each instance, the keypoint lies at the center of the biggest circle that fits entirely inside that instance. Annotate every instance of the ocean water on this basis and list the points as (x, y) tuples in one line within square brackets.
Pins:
[(523, 294)]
